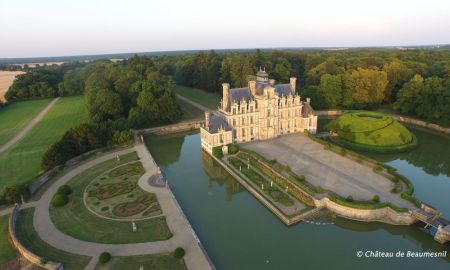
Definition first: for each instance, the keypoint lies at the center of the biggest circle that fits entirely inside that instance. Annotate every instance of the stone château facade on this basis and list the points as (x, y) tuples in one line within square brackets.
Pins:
[(261, 111)]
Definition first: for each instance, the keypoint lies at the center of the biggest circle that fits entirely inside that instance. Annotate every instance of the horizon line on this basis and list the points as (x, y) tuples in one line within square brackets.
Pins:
[(229, 49)]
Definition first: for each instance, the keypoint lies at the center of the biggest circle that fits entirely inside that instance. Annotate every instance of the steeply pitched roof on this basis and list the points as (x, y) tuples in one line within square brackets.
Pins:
[(217, 121), (283, 89), (262, 73), (237, 94)]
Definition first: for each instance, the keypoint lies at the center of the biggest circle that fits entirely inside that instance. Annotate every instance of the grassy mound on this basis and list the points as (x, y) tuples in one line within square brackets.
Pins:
[(372, 131)]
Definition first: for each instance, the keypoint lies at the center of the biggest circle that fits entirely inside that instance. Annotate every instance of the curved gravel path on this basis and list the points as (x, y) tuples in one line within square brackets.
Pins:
[(183, 236), (28, 127)]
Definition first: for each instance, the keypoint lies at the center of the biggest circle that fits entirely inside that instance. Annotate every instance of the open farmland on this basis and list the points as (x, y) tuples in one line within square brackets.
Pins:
[(6, 79), (21, 163), (15, 116)]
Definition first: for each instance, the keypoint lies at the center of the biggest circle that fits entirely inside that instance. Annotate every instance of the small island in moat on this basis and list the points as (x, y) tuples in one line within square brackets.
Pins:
[(372, 132)]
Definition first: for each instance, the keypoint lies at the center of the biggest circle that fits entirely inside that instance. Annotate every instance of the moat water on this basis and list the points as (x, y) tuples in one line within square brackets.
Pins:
[(239, 233)]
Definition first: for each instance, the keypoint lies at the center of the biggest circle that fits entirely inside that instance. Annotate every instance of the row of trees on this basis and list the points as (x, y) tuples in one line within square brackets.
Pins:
[(354, 79)]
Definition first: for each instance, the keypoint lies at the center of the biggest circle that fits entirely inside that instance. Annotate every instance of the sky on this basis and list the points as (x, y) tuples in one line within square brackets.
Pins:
[(31, 28)]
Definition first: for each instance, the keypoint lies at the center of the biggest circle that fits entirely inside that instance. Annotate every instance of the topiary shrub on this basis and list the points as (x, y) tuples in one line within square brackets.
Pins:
[(349, 198), (376, 198), (319, 189), (233, 149), (59, 200), (104, 257), (179, 253), (217, 152), (64, 190)]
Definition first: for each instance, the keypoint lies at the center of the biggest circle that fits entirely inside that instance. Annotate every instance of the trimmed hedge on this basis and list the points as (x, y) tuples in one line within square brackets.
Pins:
[(104, 257), (380, 149), (179, 253), (64, 190), (59, 200), (217, 152), (233, 149)]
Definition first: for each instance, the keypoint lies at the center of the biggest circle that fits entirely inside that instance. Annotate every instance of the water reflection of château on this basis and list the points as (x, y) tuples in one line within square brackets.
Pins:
[(216, 174)]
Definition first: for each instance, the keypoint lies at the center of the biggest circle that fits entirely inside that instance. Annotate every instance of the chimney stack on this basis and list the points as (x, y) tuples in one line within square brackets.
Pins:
[(252, 87), (308, 100), (293, 83), (207, 121), (225, 95)]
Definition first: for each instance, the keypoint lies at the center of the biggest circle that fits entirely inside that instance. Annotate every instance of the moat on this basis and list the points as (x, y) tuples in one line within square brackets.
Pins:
[(239, 233)]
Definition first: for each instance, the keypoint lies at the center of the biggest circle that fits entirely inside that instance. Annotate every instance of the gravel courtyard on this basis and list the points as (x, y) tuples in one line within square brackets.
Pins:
[(326, 169)]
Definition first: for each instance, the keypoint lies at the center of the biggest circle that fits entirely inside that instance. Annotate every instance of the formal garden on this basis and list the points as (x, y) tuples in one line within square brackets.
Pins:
[(116, 195), (111, 191)]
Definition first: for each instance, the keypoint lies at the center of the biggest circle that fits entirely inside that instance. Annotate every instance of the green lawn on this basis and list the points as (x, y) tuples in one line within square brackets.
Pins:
[(21, 163), (77, 221), (7, 252), (189, 112), (29, 238), (204, 98), (16, 115), (153, 262)]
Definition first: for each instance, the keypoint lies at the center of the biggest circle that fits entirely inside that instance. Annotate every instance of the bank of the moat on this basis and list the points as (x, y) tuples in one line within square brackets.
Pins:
[(239, 233)]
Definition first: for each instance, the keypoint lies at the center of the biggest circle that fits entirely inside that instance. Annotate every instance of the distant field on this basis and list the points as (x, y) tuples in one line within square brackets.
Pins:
[(21, 163), (6, 79), (189, 111), (206, 99), (16, 115)]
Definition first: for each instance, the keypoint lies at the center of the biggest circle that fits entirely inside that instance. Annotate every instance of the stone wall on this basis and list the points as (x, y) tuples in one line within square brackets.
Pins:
[(443, 234), (30, 256), (179, 127), (45, 177), (385, 215)]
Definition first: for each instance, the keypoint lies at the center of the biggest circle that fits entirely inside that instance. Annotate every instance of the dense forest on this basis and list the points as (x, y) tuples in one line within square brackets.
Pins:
[(414, 82)]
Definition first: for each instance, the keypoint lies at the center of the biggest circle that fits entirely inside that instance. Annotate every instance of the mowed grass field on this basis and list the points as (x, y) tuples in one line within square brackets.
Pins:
[(204, 98), (15, 116), (22, 162), (189, 111)]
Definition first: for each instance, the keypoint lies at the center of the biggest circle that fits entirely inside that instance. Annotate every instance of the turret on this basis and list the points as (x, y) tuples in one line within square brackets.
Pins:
[(293, 83), (225, 95)]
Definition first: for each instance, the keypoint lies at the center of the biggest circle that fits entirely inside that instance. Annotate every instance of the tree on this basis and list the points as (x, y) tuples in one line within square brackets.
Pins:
[(407, 97), (330, 88), (104, 104), (364, 87), (397, 73)]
